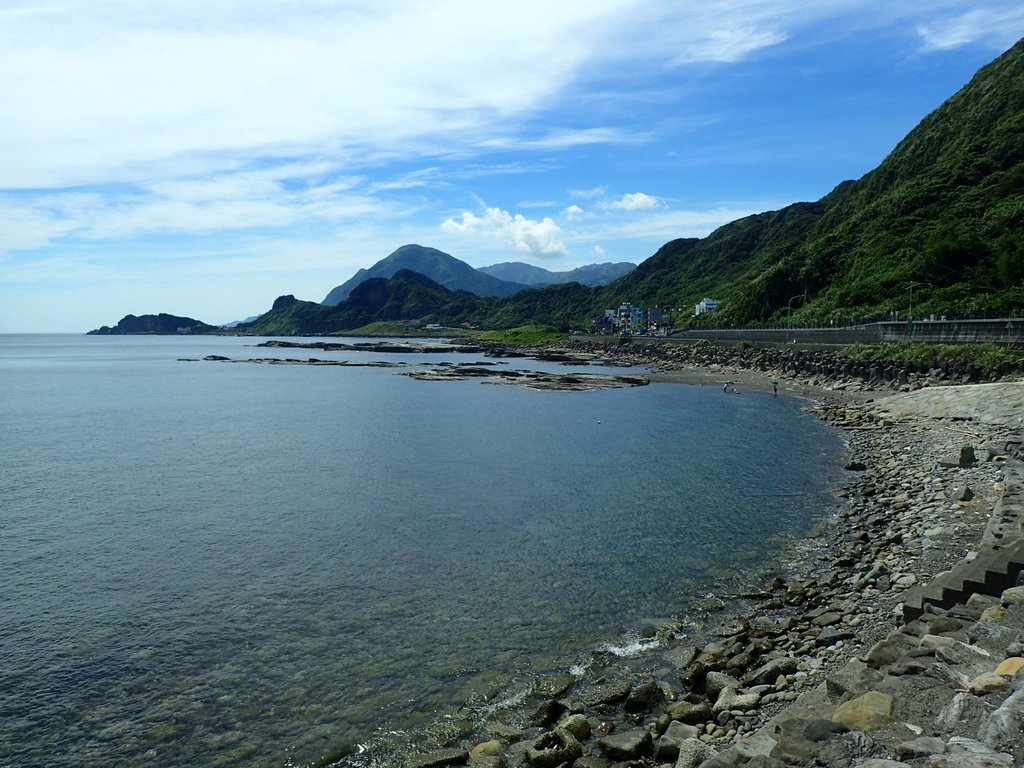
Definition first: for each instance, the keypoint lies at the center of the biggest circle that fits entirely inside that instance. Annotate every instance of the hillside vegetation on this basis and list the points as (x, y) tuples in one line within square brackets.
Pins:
[(942, 216)]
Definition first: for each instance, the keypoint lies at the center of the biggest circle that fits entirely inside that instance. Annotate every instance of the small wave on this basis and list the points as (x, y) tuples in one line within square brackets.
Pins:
[(630, 646)]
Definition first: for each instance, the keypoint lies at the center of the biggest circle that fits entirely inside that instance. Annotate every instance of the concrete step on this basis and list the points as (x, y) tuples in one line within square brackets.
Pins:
[(995, 569)]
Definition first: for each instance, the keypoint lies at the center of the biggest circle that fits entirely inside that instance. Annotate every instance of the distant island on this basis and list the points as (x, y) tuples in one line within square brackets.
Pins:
[(157, 325)]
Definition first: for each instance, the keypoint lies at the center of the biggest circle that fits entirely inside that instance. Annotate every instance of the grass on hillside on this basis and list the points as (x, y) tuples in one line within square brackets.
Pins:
[(526, 334), (987, 357)]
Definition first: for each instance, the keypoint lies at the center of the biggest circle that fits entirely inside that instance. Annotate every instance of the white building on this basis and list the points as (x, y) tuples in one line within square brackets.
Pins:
[(706, 305)]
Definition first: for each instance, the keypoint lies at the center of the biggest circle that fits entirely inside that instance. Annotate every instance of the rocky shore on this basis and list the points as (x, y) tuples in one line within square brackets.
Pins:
[(894, 637)]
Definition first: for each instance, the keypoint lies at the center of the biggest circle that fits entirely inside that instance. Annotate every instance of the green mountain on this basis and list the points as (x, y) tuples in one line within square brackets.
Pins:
[(528, 274), (439, 266), (945, 211), (942, 216), (407, 296)]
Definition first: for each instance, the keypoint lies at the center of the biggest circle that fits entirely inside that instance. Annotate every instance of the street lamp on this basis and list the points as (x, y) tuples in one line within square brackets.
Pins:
[(789, 306), (910, 308)]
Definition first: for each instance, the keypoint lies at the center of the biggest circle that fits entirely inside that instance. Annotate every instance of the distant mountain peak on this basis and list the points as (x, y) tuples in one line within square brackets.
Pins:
[(442, 268), (591, 275)]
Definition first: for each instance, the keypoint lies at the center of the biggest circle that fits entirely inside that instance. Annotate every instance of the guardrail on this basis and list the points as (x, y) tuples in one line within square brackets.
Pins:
[(997, 331)]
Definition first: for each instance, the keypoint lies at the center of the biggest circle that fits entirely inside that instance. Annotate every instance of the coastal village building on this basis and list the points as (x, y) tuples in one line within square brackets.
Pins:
[(705, 305), (657, 317), (629, 318)]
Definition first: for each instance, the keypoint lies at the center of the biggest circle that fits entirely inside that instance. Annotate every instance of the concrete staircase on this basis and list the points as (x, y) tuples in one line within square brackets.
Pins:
[(994, 569), (999, 562)]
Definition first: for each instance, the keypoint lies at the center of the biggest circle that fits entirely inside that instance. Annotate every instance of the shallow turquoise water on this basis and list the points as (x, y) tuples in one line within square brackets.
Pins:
[(221, 564)]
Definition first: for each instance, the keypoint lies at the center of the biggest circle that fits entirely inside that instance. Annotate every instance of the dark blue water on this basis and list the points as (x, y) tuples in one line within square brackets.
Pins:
[(233, 565)]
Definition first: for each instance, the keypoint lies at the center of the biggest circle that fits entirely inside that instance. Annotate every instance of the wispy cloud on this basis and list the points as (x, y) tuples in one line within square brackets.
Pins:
[(104, 89), (540, 238), (996, 27), (728, 44), (587, 194)]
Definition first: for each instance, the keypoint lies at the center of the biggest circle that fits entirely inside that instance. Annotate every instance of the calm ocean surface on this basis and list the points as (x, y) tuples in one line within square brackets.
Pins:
[(236, 565)]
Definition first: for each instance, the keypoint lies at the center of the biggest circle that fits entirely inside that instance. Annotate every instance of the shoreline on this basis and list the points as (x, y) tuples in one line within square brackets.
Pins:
[(898, 525)]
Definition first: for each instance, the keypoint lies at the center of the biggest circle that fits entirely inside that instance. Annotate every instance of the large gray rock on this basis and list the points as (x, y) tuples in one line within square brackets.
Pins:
[(666, 748), (607, 693), (440, 758), (629, 745), (693, 752), (791, 746), (962, 710), (716, 682), (967, 753), (923, 746), (691, 713), (644, 697), (1004, 728), (553, 749), (768, 673), (730, 699)]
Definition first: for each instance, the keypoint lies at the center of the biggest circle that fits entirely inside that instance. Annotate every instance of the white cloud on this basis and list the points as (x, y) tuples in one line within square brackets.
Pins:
[(998, 27), (529, 236), (573, 213), (101, 90), (634, 201), (598, 251), (655, 227), (264, 199), (587, 194)]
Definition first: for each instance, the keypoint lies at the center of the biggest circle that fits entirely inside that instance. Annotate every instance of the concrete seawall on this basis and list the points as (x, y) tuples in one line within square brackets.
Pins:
[(1000, 331)]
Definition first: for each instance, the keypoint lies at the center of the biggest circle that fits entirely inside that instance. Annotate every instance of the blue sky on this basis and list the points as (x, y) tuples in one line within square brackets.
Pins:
[(203, 158)]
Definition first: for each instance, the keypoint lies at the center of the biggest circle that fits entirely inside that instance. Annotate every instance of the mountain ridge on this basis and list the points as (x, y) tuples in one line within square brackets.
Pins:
[(444, 269), (529, 274)]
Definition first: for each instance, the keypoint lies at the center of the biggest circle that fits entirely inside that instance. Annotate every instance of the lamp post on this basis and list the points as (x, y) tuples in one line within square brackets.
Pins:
[(910, 307), (789, 306)]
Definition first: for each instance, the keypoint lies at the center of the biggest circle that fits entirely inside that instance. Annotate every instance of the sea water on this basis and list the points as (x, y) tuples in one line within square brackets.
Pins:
[(219, 564)]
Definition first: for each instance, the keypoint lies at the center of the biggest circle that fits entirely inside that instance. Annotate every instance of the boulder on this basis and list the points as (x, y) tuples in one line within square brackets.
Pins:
[(716, 682), (690, 712), (1003, 728), (822, 730), (961, 493), (485, 749), (869, 712), (967, 753), (440, 758), (923, 746), (577, 725), (768, 673), (628, 745), (607, 693), (730, 699), (644, 697), (987, 682), (553, 749), (692, 753), (666, 748), (1011, 666), (547, 713)]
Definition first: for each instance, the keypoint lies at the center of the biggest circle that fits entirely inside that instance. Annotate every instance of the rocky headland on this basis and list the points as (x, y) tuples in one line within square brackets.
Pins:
[(893, 637)]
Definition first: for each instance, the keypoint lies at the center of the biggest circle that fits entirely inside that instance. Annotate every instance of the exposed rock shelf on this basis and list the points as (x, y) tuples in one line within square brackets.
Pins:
[(486, 371)]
